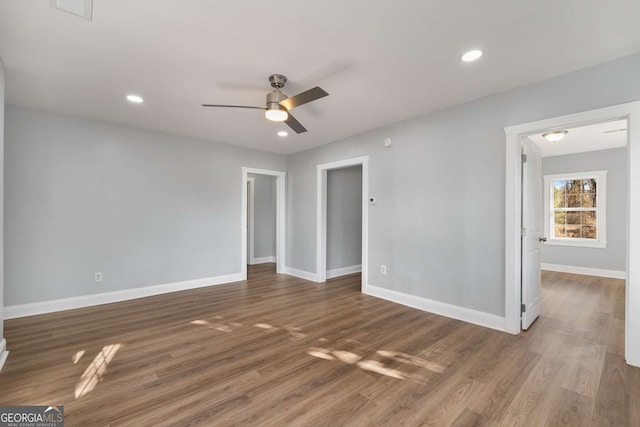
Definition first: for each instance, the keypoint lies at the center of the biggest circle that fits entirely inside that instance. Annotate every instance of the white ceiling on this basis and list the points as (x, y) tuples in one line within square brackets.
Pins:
[(601, 136), (380, 60)]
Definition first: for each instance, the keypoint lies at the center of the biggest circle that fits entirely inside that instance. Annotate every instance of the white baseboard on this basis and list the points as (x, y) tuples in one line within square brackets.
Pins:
[(23, 310), (587, 271), (262, 260), (337, 272), (443, 309), (302, 274), (3, 353)]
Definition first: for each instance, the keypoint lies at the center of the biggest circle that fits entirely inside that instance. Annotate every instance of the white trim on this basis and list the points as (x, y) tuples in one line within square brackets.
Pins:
[(262, 260), (343, 271), (513, 189), (321, 215), (302, 274), (440, 308), (601, 210), (579, 243), (321, 224), (3, 353), (32, 309), (251, 182), (281, 213), (587, 271)]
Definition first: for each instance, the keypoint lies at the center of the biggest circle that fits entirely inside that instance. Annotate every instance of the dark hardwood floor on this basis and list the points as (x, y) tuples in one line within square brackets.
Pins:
[(277, 350)]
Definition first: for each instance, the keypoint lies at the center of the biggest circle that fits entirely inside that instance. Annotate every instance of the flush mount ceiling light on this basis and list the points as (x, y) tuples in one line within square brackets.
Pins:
[(135, 99), (283, 133), (555, 136), (81, 8), (472, 55)]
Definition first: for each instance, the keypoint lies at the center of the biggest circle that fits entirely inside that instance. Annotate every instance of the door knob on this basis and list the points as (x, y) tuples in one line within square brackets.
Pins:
[(543, 239)]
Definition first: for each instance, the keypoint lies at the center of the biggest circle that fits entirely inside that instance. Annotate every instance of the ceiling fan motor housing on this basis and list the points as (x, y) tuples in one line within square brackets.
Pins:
[(274, 98)]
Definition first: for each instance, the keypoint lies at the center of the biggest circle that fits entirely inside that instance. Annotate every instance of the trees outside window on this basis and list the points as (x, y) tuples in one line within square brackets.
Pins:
[(575, 206)]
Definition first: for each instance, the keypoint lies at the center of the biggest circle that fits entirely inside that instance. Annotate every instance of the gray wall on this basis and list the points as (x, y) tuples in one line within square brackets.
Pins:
[(614, 256), (438, 223), (344, 217), (144, 208), (2, 83), (264, 227)]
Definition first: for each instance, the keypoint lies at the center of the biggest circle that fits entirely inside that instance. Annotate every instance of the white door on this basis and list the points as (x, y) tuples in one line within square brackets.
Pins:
[(532, 235)]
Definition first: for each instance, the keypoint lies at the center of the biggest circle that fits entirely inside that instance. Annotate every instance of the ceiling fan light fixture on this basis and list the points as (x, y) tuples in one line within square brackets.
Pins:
[(555, 136), (276, 113)]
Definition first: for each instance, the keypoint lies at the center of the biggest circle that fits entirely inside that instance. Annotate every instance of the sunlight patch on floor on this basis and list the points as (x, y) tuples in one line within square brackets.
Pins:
[(294, 331), (321, 353), (377, 367), (218, 326), (265, 326), (412, 360), (96, 370), (76, 357)]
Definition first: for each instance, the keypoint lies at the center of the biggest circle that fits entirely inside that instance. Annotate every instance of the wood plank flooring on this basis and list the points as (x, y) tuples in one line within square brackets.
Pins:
[(277, 351)]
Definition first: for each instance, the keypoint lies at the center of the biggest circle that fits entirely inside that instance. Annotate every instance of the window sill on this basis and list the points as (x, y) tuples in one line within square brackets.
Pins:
[(576, 243)]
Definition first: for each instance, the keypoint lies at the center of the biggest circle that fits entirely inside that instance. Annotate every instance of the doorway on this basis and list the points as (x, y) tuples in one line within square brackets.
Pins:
[(574, 206), (261, 214), (321, 226), (280, 224), (514, 215), (344, 221)]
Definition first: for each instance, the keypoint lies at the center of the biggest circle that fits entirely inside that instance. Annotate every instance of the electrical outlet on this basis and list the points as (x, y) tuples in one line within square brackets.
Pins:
[(383, 269), (97, 277)]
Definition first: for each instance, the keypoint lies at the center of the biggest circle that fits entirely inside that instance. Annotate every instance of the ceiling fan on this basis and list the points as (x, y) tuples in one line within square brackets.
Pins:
[(279, 104)]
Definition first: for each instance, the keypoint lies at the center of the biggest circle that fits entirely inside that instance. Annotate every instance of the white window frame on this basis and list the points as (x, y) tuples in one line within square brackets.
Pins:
[(601, 210)]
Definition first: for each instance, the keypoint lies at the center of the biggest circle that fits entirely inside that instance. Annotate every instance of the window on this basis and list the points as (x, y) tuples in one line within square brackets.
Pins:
[(575, 206)]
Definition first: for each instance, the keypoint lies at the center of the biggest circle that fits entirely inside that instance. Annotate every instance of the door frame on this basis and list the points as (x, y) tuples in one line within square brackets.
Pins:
[(251, 182), (513, 211), (280, 218), (321, 216)]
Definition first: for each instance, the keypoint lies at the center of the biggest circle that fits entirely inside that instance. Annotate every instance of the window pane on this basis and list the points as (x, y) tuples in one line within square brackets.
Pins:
[(574, 218), (573, 231), (559, 194), (590, 185), (572, 188), (574, 200), (560, 231), (575, 208), (589, 232), (589, 218), (588, 200)]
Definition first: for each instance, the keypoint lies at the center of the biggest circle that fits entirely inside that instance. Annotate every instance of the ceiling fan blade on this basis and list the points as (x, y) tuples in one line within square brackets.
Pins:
[(294, 124), (303, 98), (233, 106)]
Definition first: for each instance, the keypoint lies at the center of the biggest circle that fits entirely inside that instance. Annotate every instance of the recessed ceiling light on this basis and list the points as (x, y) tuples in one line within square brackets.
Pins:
[(283, 133), (135, 99), (555, 136), (472, 55)]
